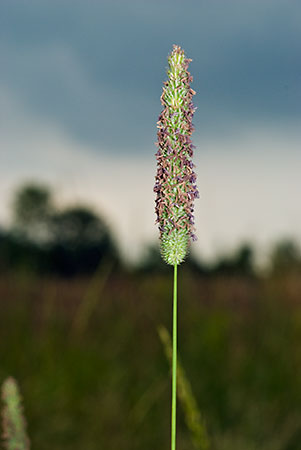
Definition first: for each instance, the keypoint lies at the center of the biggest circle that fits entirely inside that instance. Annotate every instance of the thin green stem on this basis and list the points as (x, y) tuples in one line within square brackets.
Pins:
[(174, 363)]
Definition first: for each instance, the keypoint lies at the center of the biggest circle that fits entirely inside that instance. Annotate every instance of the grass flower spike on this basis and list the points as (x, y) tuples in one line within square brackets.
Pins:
[(175, 180), (175, 184), (13, 421)]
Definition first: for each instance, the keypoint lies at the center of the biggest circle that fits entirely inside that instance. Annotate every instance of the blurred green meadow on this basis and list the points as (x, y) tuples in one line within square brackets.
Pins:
[(85, 349)]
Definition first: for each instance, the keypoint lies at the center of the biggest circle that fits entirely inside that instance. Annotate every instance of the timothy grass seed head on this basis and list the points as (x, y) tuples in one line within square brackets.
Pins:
[(175, 184)]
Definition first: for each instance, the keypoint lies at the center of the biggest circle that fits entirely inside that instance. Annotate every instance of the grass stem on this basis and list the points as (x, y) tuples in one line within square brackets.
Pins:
[(174, 364)]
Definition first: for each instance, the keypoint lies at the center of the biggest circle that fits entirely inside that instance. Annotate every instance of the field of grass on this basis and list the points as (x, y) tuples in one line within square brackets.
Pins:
[(94, 375)]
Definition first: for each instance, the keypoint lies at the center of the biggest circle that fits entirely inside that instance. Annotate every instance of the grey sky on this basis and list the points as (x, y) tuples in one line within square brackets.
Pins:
[(96, 67), (80, 86)]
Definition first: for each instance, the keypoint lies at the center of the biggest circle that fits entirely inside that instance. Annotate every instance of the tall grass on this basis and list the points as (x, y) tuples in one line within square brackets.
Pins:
[(240, 346), (175, 184), (193, 417)]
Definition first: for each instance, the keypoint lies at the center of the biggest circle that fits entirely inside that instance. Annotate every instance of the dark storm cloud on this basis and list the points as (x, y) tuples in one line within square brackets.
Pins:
[(97, 67)]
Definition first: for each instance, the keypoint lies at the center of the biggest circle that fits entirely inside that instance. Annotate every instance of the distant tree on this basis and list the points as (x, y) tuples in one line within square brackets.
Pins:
[(240, 263), (244, 259), (19, 253), (151, 260), (80, 241), (285, 256), (68, 242), (32, 211)]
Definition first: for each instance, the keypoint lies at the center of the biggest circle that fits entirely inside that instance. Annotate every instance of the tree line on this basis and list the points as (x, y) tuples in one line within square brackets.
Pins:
[(46, 239), (75, 240)]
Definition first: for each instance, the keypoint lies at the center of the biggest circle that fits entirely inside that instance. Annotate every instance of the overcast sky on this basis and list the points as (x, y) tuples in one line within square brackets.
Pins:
[(80, 86)]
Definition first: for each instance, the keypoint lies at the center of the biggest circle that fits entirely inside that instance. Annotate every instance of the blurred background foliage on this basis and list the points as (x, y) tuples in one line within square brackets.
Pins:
[(78, 330), (45, 239)]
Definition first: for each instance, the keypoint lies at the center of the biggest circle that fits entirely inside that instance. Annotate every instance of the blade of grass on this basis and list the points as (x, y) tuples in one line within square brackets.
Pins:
[(91, 297), (193, 417), (147, 400)]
